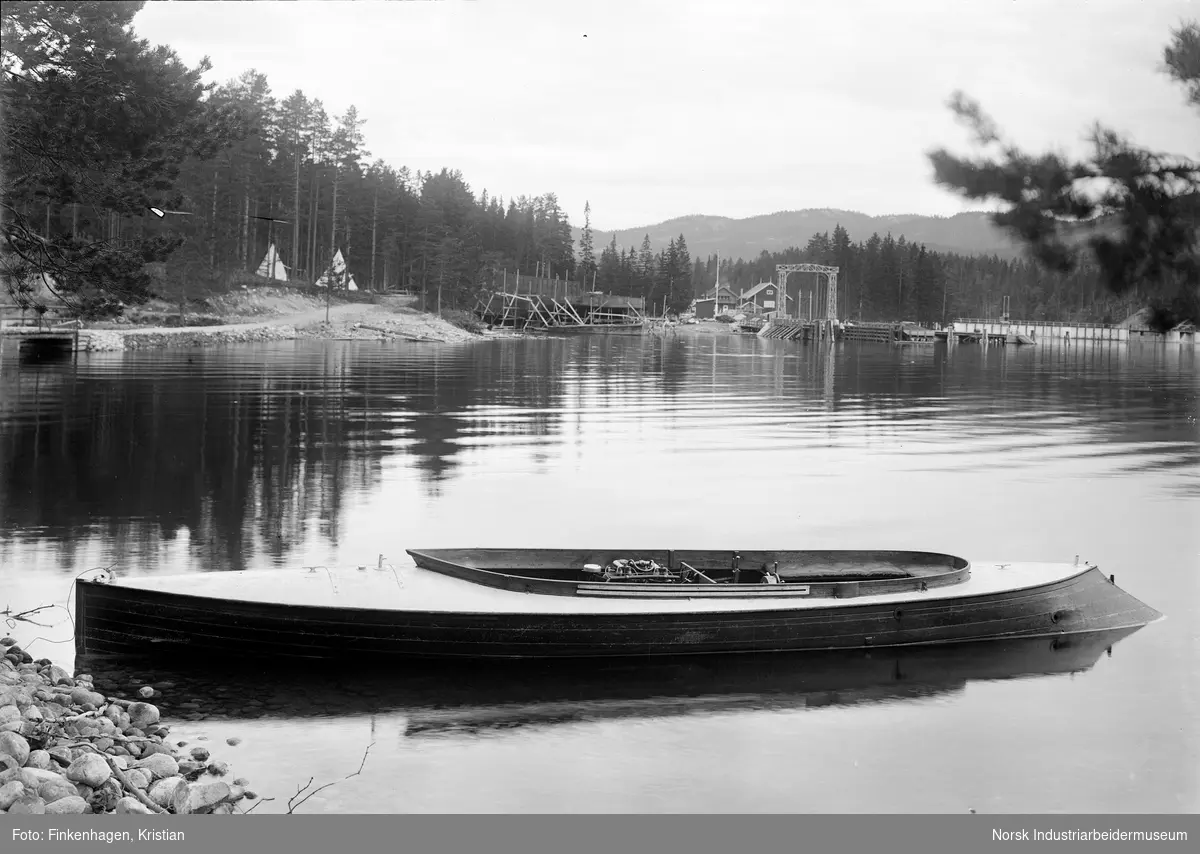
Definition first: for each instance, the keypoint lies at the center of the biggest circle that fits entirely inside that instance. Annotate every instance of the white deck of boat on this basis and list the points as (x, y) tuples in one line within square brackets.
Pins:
[(409, 588)]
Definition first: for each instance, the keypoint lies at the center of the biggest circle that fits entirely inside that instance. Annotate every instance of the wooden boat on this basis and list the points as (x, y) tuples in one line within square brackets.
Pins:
[(525, 603)]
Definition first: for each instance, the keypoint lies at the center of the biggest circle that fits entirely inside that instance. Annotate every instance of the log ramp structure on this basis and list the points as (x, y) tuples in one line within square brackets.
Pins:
[(818, 330), (539, 303)]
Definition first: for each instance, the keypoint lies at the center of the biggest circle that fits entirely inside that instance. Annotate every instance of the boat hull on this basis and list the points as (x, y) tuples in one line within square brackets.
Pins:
[(117, 619)]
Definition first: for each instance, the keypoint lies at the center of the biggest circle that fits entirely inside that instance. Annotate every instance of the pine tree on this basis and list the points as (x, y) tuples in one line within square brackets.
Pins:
[(680, 296), (645, 269), (1131, 211), (587, 258), (105, 137)]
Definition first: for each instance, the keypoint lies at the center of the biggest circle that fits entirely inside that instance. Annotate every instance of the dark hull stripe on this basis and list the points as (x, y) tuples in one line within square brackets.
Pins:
[(112, 619)]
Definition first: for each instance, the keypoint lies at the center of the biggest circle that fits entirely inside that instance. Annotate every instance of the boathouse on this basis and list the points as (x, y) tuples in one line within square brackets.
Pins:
[(761, 298), (726, 300)]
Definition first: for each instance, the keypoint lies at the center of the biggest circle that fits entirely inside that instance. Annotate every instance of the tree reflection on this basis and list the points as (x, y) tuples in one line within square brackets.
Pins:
[(253, 451)]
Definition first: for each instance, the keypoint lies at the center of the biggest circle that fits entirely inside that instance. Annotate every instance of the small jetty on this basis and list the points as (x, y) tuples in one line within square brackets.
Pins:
[(45, 342), (798, 330)]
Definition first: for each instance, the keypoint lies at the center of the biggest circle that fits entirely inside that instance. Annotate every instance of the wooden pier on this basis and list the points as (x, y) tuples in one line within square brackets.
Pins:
[(875, 333), (44, 342), (798, 330)]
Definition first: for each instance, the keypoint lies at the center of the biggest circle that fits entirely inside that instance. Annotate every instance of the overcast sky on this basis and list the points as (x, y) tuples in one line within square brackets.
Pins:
[(653, 109)]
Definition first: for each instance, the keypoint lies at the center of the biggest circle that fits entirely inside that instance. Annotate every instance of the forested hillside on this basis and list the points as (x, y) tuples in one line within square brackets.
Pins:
[(100, 127), (890, 278), (965, 233)]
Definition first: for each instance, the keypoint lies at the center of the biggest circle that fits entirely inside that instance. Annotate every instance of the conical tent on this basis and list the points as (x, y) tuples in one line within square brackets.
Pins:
[(272, 266), (338, 274)]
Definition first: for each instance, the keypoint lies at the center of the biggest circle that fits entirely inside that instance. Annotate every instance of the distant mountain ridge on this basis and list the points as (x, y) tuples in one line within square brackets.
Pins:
[(966, 233)]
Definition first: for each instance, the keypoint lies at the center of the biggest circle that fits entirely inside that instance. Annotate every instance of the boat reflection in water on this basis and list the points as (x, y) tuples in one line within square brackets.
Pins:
[(453, 699)]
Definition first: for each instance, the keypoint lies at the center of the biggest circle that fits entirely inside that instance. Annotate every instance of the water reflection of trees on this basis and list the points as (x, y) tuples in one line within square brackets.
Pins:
[(245, 451), (254, 451)]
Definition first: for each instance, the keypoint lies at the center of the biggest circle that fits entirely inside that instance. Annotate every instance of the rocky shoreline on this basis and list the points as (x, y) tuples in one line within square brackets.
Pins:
[(66, 749), (101, 340)]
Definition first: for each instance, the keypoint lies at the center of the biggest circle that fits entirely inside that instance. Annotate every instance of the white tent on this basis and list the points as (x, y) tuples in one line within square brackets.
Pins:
[(272, 266), (337, 274)]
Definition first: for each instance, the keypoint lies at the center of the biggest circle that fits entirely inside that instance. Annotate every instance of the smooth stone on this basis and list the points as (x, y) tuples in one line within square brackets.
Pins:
[(58, 676), (160, 765), (82, 696), (28, 804), (35, 777), (140, 778), (233, 741), (163, 792), (121, 762), (132, 806), (34, 715), (143, 715), (152, 747), (106, 726), (22, 776), (10, 712), (204, 796), (218, 768), (86, 726), (200, 754), (15, 745), (52, 790), (9, 793), (73, 805), (241, 781), (90, 770), (146, 691), (61, 755), (38, 759)]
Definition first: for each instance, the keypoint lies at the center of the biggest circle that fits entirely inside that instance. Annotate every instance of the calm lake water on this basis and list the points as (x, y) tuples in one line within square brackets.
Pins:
[(332, 453)]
